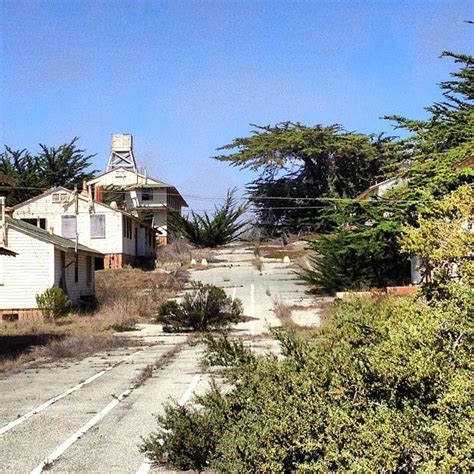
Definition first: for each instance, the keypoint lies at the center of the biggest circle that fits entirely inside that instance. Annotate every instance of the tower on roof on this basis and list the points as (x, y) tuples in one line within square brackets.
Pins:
[(121, 152)]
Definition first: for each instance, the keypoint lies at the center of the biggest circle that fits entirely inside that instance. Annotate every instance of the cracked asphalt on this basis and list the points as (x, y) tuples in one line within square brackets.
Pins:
[(87, 417)]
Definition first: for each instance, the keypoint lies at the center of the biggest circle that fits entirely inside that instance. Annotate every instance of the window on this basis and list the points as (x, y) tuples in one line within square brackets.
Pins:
[(89, 270), (69, 227), (59, 197), (147, 194), (127, 227), (38, 222), (97, 223), (76, 268)]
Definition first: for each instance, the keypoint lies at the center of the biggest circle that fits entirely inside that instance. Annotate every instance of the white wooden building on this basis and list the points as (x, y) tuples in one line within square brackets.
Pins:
[(141, 192), (120, 236), (34, 260)]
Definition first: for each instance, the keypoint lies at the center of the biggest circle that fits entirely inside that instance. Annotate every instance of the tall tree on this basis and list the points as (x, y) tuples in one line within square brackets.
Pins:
[(298, 164), (66, 165), (444, 139), (24, 170)]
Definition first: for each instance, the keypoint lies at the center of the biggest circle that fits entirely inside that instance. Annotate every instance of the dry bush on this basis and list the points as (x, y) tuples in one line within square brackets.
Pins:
[(73, 346), (283, 313), (131, 293), (179, 253), (258, 263)]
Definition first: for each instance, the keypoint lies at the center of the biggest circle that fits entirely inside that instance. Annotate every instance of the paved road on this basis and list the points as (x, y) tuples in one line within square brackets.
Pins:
[(88, 416)]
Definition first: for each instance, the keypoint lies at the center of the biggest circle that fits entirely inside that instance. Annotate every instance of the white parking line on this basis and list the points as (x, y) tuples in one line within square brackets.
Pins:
[(145, 466), (252, 308), (53, 400), (234, 292), (79, 433)]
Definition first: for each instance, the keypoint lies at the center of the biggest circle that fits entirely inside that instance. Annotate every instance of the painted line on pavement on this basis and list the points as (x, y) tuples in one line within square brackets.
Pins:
[(146, 465), (55, 399), (234, 292), (252, 308), (79, 433)]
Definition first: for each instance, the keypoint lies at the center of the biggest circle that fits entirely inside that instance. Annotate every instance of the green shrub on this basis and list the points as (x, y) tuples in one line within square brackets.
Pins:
[(206, 307), (384, 388), (223, 227), (222, 351), (54, 303), (363, 254)]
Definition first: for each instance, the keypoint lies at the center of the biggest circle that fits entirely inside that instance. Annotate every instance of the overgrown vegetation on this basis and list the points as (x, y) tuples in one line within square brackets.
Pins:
[(206, 307), (362, 246), (53, 303), (385, 388), (225, 225)]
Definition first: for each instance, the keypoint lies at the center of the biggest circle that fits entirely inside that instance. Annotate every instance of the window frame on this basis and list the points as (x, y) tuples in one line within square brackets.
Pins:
[(147, 194), (89, 270), (104, 228), (70, 218)]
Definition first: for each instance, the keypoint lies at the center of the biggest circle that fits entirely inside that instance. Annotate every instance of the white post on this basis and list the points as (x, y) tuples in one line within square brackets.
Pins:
[(3, 228)]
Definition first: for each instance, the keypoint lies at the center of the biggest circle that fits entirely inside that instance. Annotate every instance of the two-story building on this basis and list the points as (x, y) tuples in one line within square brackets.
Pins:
[(120, 236), (142, 193)]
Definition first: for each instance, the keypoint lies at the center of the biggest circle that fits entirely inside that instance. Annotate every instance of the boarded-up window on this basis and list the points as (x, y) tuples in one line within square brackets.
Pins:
[(68, 227), (98, 226)]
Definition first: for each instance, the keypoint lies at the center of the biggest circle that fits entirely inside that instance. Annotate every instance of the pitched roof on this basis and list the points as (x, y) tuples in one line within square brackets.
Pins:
[(56, 240), (155, 182), (150, 183), (365, 194), (80, 196)]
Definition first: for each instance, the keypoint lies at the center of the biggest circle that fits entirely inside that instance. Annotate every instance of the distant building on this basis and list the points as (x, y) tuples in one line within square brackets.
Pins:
[(379, 189), (36, 260), (121, 237), (141, 193)]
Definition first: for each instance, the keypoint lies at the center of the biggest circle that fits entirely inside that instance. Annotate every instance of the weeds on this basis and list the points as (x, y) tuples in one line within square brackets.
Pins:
[(283, 313), (258, 264)]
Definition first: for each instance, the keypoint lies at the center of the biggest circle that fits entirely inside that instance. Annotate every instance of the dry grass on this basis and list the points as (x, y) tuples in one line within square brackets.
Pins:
[(179, 253), (280, 252), (124, 297), (283, 313), (258, 263)]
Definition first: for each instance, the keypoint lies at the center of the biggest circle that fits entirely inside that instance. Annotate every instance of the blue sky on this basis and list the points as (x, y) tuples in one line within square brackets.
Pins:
[(188, 76)]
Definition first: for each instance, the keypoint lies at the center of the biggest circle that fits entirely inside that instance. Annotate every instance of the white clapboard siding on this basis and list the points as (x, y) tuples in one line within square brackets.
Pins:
[(44, 207), (75, 290), (29, 273)]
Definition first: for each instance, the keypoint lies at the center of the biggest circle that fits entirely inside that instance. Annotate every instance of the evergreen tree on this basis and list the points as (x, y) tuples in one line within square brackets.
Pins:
[(298, 164), (66, 165)]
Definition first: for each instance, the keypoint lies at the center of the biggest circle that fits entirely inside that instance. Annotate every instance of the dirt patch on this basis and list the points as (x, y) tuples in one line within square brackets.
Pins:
[(124, 297)]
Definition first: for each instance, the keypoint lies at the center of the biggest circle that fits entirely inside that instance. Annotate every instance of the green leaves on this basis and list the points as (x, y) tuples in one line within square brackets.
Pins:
[(223, 227), (65, 166), (384, 386), (206, 307), (299, 164)]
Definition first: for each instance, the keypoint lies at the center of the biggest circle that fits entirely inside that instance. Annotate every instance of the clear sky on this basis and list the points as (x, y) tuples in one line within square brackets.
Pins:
[(185, 77)]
